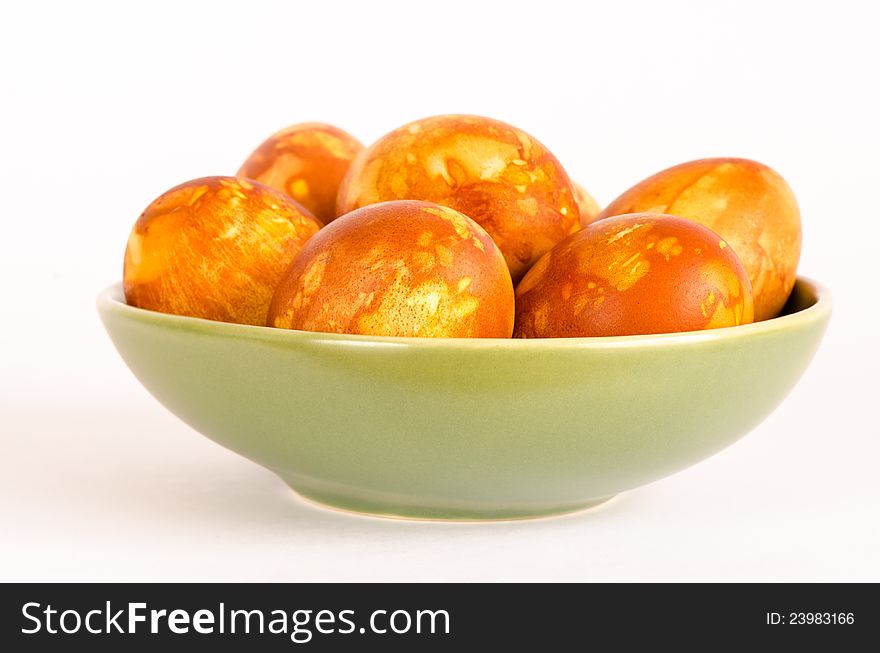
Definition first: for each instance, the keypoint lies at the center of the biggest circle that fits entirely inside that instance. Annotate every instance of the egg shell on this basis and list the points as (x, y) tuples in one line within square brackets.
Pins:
[(307, 162), (492, 172), (746, 203), (214, 248), (634, 274), (399, 268), (588, 207)]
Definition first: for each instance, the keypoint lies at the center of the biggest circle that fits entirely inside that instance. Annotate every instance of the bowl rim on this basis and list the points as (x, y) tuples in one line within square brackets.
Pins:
[(111, 300)]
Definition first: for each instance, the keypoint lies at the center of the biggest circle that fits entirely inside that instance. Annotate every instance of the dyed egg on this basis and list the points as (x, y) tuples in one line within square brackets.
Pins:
[(634, 274), (494, 173), (307, 162), (400, 268), (214, 248), (746, 203), (588, 208)]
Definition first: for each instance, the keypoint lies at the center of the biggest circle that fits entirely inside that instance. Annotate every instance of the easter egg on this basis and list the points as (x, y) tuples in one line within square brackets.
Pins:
[(748, 204), (634, 274), (214, 248), (588, 208), (398, 268), (494, 173), (307, 162)]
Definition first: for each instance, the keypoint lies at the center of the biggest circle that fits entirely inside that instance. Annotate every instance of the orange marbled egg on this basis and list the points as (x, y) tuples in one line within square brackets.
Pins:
[(634, 274), (398, 268), (214, 248), (588, 207), (306, 161), (746, 203), (492, 172)]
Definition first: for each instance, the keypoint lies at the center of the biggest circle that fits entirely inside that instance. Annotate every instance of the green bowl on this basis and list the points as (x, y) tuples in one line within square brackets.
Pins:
[(467, 428)]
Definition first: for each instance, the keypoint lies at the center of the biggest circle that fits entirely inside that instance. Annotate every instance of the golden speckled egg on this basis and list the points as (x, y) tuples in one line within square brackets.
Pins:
[(399, 268), (214, 248), (746, 203), (634, 274), (306, 161), (494, 173), (588, 208)]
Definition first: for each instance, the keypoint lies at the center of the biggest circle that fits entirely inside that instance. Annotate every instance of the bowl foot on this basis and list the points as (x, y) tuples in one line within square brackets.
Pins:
[(394, 507)]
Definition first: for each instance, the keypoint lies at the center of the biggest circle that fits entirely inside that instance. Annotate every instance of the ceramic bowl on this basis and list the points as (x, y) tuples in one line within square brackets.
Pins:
[(467, 428)]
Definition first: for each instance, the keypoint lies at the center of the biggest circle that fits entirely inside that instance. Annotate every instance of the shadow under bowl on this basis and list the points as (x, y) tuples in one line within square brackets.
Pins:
[(467, 428)]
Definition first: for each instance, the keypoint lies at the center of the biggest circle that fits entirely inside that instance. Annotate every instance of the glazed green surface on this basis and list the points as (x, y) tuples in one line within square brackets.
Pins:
[(467, 429)]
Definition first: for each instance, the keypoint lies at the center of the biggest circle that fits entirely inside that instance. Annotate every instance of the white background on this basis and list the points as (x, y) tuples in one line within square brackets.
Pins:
[(102, 107)]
